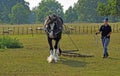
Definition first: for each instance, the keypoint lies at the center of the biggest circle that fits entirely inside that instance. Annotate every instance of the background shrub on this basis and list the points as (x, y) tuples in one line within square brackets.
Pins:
[(8, 42)]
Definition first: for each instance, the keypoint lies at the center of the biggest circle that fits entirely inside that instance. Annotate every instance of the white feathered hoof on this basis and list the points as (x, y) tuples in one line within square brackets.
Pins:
[(56, 58), (59, 51), (51, 59)]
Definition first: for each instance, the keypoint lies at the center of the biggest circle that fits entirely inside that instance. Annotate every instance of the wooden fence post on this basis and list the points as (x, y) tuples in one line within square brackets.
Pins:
[(113, 28), (18, 30), (27, 30), (79, 29), (22, 30), (91, 29), (32, 31), (98, 27), (83, 29), (3, 31), (87, 29), (94, 29), (13, 30)]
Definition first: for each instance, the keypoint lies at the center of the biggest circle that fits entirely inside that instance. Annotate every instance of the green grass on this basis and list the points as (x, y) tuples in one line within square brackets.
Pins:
[(31, 60)]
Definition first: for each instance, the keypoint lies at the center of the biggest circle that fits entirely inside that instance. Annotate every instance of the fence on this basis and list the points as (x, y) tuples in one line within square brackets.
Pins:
[(89, 29), (21, 30), (72, 29)]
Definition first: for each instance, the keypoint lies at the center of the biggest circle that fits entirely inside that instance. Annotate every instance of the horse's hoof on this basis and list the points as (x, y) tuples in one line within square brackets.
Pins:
[(51, 59), (60, 52)]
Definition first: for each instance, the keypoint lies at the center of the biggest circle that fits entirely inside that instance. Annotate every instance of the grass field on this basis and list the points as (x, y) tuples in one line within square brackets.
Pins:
[(31, 60)]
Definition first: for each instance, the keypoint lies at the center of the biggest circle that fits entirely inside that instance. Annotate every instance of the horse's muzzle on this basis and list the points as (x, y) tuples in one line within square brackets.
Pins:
[(51, 34)]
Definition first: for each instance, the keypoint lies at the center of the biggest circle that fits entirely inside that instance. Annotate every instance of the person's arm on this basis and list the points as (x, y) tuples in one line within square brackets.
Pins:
[(109, 32), (99, 31)]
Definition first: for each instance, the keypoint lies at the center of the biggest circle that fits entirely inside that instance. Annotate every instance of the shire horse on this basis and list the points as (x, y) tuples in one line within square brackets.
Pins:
[(53, 27)]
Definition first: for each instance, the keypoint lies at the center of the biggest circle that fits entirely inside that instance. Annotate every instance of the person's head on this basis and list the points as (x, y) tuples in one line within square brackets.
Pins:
[(106, 21)]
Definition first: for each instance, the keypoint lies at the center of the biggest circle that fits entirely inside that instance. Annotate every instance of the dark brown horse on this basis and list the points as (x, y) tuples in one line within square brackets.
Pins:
[(53, 27)]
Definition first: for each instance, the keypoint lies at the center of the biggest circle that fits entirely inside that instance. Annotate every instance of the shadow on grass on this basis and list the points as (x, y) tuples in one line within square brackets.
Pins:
[(75, 54), (74, 63), (111, 58)]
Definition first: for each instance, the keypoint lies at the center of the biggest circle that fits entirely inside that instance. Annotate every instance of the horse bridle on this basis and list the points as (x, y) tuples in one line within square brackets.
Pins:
[(51, 22)]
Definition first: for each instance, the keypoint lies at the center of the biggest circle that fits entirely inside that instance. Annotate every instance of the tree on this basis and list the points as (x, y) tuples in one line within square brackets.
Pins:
[(71, 15), (111, 8), (5, 9), (86, 10), (32, 16), (19, 14), (47, 7)]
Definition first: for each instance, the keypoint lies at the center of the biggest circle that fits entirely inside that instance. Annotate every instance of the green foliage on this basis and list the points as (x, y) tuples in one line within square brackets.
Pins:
[(7, 42), (71, 15), (5, 9), (32, 17), (112, 8), (19, 14), (86, 10), (102, 9), (47, 7), (118, 7)]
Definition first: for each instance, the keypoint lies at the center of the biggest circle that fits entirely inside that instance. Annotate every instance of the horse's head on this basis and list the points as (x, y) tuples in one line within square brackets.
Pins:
[(52, 26)]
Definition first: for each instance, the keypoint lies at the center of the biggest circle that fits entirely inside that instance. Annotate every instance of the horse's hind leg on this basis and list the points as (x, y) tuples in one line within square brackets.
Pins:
[(50, 44)]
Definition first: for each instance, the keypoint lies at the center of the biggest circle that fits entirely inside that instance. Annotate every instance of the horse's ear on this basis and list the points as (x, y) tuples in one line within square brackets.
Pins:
[(46, 21), (49, 17)]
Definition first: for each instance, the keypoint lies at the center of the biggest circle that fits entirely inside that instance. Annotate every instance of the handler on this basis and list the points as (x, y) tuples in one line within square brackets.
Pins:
[(105, 31)]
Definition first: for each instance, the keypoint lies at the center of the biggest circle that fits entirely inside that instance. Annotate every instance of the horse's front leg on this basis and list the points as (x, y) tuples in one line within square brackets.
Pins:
[(50, 44), (57, 48)]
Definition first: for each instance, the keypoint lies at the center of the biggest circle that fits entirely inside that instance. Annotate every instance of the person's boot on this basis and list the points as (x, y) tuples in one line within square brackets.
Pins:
[(107, 54)]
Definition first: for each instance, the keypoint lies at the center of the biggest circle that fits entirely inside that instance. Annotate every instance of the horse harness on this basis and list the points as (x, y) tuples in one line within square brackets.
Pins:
[(53, 26)]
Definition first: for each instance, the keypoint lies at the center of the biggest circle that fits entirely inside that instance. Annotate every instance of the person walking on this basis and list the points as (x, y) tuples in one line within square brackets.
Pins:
[(105, 31)]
